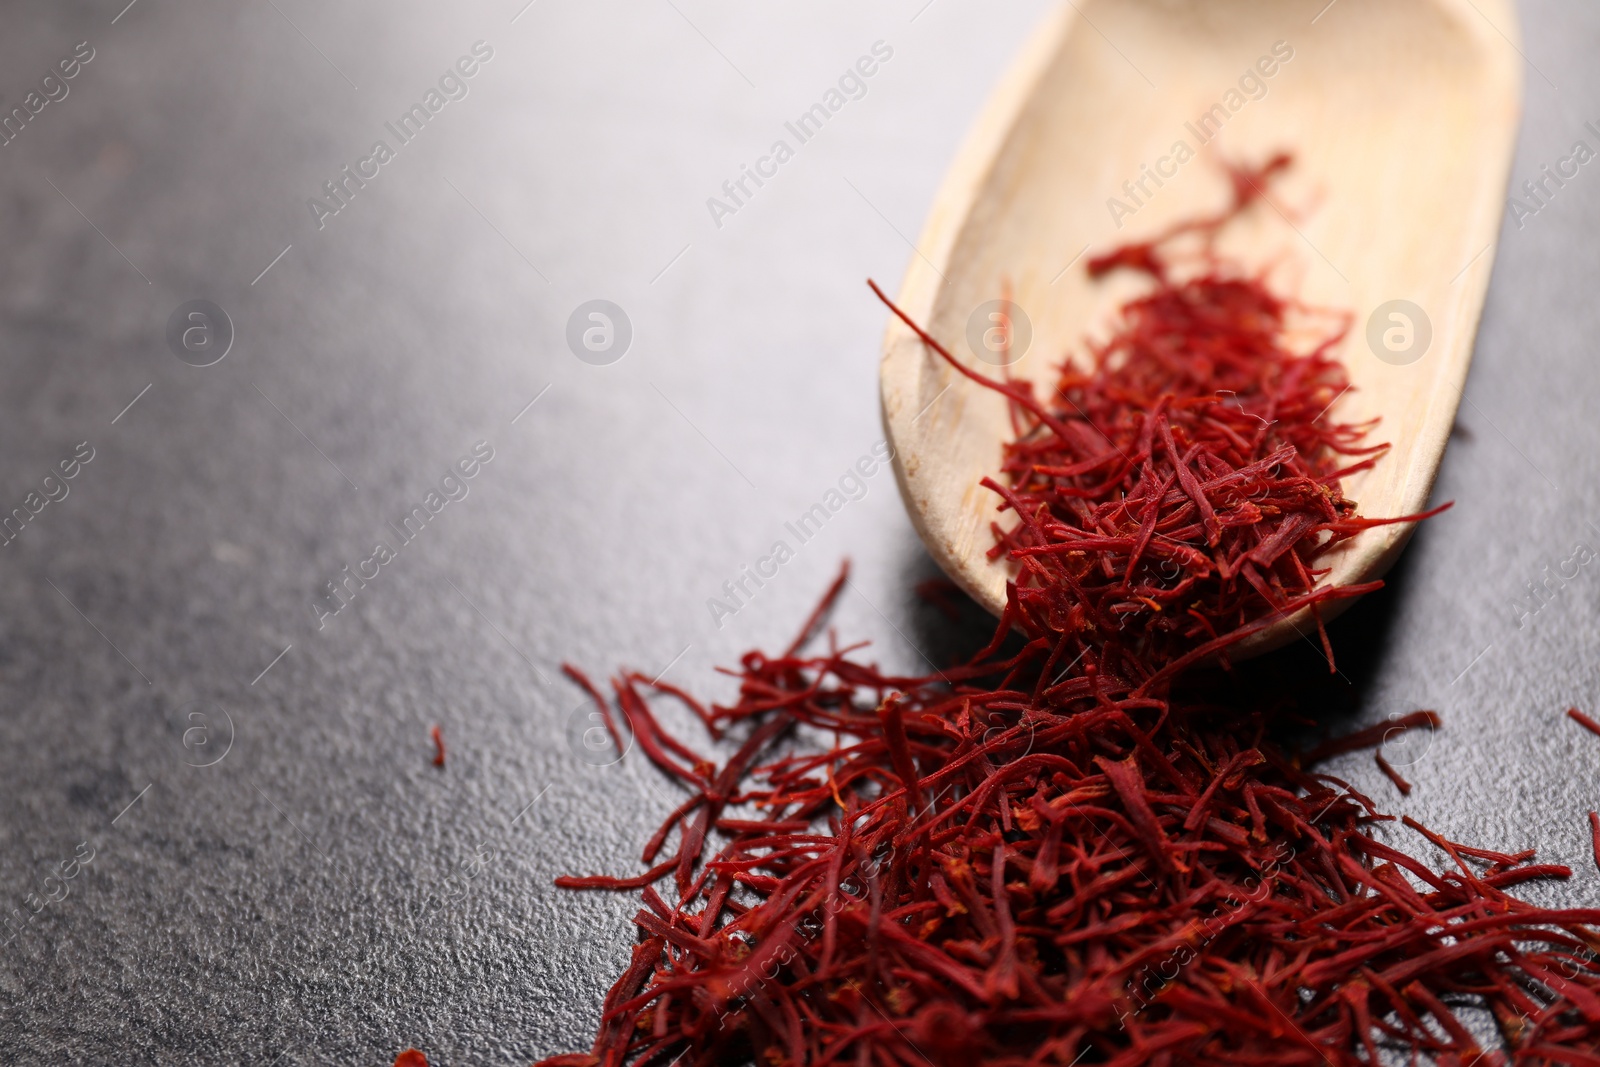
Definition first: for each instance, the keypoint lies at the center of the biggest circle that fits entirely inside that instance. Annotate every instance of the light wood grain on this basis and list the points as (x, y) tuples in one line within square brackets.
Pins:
[(1401, 115)]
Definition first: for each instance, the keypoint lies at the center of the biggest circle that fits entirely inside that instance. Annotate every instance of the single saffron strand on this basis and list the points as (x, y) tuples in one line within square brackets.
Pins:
[(1393, 775), (438, 745), (1583, 720), (1594, 829)]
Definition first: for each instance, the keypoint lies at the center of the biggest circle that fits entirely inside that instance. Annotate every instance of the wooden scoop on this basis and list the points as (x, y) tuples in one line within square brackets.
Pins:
[(1113, 124)]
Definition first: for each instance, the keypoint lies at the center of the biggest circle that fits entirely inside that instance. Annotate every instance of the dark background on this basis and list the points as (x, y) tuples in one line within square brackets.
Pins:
[(311, 897)]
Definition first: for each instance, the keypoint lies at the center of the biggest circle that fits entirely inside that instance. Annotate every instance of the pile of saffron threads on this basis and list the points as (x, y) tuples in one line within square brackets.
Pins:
[(1074, 849)]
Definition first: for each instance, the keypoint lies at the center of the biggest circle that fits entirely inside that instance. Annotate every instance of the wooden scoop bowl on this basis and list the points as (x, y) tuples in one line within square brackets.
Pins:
[(1401, 116)]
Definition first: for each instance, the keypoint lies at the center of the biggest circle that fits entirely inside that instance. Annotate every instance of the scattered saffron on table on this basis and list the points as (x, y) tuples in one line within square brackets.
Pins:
[(1392, 774), (1583, 720), (1594, 829), (438, 746), (1083, 845)]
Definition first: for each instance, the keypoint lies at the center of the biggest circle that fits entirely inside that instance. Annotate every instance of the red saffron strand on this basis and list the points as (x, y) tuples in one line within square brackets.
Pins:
[(438, 745), (1392, 774), (1583, 720), (1594, 827)]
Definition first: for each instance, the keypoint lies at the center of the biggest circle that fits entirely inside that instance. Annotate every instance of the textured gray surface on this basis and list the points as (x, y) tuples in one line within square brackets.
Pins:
[(268, 905)]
